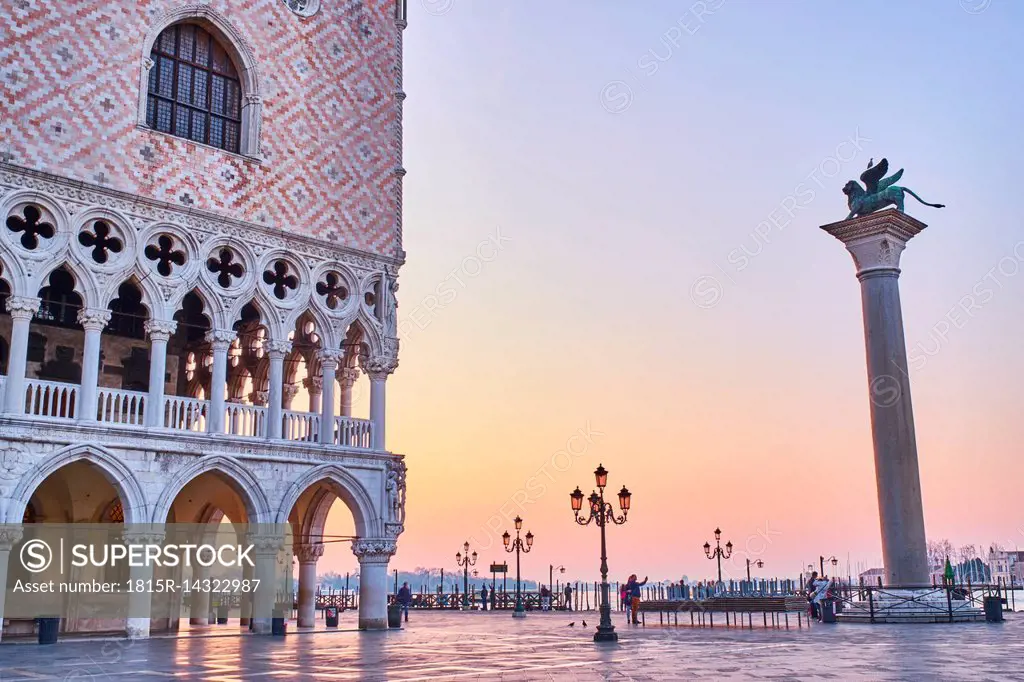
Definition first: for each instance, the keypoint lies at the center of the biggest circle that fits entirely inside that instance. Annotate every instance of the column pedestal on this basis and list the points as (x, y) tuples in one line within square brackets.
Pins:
[(373, 558), (876, 241)]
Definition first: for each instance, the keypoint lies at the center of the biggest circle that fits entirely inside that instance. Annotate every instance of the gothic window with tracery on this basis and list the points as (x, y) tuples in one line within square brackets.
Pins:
[(194, 90)]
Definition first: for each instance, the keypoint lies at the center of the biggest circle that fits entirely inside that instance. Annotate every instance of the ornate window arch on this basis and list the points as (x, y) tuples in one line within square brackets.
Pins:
[(199, 81)]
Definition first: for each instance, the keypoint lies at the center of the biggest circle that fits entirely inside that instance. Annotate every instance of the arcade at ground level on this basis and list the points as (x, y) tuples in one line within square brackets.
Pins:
[(442, 645)]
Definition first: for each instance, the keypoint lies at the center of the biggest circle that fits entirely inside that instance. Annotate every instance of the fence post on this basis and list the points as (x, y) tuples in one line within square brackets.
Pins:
[(871, 606)]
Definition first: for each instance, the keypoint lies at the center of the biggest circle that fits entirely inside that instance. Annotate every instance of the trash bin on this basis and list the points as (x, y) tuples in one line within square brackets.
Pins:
[(331, 616), (49, 628), (394, 615), (279, 623), (222, 614), (828, 610), (993, 610)]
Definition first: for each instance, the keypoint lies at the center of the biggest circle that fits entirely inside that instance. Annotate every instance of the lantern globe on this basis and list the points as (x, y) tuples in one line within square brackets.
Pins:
[(576, 499), (624, 497), (519, 523), (505, 537), (601, 476)]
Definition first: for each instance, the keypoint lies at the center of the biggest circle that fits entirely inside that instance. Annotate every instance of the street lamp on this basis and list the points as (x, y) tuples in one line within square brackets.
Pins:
[(551, 578), (518, 546), (464, 564), (835, 562), (758, 563), (718, 553), (602, 512)]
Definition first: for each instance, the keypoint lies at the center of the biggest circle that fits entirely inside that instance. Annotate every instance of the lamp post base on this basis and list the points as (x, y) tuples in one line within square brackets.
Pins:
[(606, 634), (519, 614)]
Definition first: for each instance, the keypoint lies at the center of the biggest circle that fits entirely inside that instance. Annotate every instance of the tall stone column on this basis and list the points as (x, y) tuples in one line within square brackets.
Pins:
[(328, 373), (876, 241), (21, 308), (140, 602), (307, 555), (93, 321), (276, 351), (265, 553), (220, 340), (346, 380), (373, 555), (9, 536), (160, 332), (378, 368)]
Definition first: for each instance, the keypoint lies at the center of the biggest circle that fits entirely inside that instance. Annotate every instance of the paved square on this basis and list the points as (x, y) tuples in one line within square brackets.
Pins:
[(448, 645)]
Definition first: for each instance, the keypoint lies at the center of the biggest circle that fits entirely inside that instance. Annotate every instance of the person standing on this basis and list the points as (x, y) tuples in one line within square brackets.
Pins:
[(634, 596), (405, 599), (483, 597), (568, 597)]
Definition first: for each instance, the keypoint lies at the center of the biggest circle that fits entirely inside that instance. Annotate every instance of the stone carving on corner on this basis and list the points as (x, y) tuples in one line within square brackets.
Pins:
[(377, 550), (395, 488)]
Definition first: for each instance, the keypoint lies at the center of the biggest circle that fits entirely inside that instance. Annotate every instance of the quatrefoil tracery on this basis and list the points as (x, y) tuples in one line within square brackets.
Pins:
[(165, 255), (281, 279), (225, 267), (100, 241), (32, 226), (333, 289)]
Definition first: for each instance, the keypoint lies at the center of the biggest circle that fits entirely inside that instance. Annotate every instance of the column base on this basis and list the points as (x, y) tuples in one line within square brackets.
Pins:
[(262, 626), (137, 628), (373, 623), (608, 635), (519, 614)]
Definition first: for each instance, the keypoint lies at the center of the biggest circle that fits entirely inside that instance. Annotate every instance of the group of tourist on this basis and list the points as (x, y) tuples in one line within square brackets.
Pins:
[(629, 597)]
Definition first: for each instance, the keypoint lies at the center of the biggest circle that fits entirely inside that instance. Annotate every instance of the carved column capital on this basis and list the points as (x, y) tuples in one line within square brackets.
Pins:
[(309, 554), (143, 536), (288, 392), (348, 377), (374, 550), (93, 319), (314, 384), (23, 307), (160, 330), (220, 339), (378, 367), (259, 398), (876, 240), (329, 357), (278, 349)]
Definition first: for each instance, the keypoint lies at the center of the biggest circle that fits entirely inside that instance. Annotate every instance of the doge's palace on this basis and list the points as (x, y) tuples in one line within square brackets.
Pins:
[(199, 255)]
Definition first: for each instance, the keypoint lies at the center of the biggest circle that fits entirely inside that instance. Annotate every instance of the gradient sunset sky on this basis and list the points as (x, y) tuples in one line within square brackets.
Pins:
[(629, 158)]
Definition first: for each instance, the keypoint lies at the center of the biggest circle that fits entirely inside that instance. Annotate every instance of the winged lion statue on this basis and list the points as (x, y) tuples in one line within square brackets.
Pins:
[(878, 191)]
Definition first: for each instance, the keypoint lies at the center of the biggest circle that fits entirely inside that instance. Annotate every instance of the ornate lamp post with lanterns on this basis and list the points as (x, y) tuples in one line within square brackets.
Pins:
[(465, 563), (518, 546), (602, 513), (718, 553)]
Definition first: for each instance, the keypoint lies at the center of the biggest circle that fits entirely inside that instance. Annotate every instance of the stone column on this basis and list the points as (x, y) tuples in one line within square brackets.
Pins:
[(93, 321), (314, 386), (160, 332), (378, 368), (329, 359), (9, 536), (373, 556), (276, 351), (876, 241), (140, 603), (220, 340), (22, 308), (347, 379), (266, 549), (307, 555), (199, 604)]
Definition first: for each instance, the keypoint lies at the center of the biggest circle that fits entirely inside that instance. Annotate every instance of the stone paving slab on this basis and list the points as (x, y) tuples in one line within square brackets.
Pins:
[(465, 646)]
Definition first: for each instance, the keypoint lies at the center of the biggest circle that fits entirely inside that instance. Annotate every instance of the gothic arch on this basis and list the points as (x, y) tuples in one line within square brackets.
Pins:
[(367, 520), (245, 482), (237, 48), (133, 500)]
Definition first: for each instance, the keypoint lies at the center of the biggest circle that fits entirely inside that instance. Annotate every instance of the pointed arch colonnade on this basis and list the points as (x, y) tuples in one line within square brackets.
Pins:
[(159, 365)]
